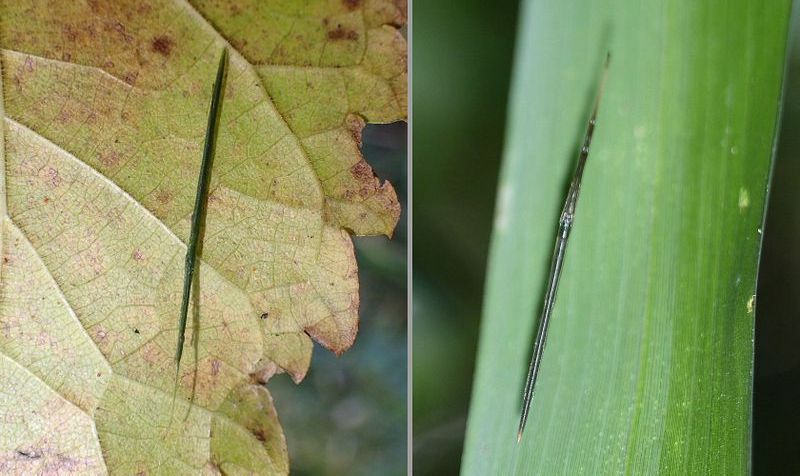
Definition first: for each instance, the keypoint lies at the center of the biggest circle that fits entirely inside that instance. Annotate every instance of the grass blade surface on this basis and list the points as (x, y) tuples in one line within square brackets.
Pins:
[(649, 359)]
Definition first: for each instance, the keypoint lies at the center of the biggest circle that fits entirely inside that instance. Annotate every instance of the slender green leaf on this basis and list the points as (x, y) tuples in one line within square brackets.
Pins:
[(648, 365)]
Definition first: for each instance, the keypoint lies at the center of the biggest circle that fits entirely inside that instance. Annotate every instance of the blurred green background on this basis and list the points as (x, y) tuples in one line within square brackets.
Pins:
[(462, 60), (349, 415), (461, 69)]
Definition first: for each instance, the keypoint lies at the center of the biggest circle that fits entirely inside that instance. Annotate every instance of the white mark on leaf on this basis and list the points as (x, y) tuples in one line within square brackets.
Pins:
[(744, 199)]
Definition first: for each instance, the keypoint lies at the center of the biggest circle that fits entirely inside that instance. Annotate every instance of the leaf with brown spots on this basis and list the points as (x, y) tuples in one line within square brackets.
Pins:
[(104, 106)]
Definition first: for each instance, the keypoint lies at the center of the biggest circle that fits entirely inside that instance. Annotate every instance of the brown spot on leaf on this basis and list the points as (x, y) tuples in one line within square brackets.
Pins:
[(137, 254), (402, 9), (120, 28), (110, 159), (361, 171), (151, 354), (355, 124), (239, 43), (64, 115), (163, 197), (340, 33), (163, 45), (83, 33), (259, 434), (68, 32), (130, 77), (351, 4), (50, 175), (215, 367)]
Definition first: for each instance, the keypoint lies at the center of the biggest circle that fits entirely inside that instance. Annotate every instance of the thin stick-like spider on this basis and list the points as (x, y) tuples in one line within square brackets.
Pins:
[(564, 227), (201, 200)]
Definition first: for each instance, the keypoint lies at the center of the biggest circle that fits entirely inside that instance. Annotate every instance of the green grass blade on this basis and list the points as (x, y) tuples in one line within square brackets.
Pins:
[(201, 200), (648, 365)]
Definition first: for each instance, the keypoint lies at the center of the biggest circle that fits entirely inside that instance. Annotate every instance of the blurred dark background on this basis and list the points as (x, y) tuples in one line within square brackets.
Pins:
[(462, 61), (461, 67), (776, 403), (349, 415)]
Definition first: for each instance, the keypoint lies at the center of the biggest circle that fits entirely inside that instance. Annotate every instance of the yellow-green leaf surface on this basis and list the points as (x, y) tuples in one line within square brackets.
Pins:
[(104, 109), (649, 360)]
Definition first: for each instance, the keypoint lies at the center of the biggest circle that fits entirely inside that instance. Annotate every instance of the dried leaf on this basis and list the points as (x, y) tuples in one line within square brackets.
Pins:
[(104, 106)]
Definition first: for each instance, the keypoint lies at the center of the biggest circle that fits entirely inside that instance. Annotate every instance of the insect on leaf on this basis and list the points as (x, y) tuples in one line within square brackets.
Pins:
[(648, 367), (201, 201), (104, 107)]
